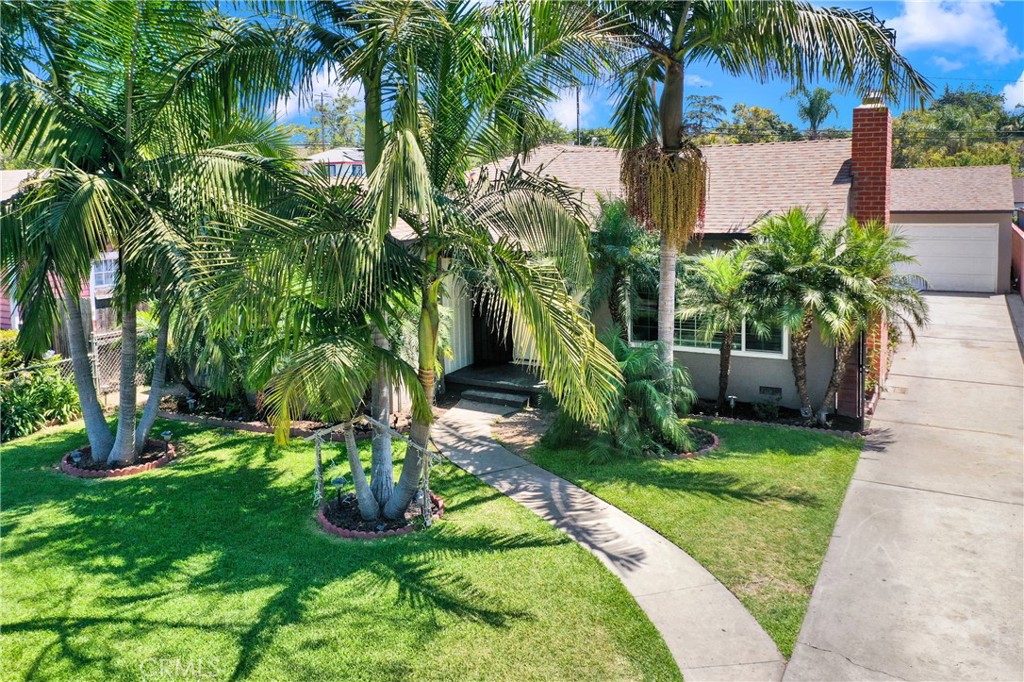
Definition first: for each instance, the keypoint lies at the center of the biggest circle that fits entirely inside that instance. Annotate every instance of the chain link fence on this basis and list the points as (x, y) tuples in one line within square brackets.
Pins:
[(62, 365)]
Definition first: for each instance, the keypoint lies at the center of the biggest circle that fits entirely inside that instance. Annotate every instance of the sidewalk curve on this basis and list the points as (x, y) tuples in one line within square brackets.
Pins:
[(710, 634)]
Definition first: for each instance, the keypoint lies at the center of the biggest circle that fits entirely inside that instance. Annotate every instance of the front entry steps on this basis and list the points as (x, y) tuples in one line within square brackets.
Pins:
[(496, 398)]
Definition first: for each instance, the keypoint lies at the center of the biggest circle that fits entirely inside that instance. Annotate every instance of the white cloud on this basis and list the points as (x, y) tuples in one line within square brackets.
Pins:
[(322, 83), (948, 65), (954, 26), (1013, 94), (563, 109), (696, 81)]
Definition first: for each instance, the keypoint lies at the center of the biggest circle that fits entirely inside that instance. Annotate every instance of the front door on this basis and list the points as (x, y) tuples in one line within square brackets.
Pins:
[(490, 346)]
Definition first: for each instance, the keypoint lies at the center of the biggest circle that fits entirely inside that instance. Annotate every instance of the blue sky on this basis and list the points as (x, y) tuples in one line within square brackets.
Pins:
[(951, 42)]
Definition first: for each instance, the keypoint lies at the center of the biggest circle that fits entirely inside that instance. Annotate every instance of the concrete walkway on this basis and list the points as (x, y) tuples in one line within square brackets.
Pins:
[(923, 577), (710, 634)]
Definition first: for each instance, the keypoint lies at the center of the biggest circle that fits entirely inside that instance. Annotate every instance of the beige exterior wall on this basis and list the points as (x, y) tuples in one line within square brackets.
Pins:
[(1002, 218)]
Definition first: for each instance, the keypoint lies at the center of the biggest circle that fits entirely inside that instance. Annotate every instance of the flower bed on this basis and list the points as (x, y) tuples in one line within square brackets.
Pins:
[(153, 447), (709, 439), (437, 505)]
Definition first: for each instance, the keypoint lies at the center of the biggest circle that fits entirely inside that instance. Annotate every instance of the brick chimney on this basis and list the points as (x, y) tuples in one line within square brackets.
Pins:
[(871, 160)]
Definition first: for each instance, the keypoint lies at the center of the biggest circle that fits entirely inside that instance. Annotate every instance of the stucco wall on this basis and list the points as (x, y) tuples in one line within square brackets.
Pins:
[(1002, 218), (748, 374)]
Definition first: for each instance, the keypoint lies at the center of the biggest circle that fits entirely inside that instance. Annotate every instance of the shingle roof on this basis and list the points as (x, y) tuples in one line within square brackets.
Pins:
[(746, 180), (957, 189), (1018, 190)]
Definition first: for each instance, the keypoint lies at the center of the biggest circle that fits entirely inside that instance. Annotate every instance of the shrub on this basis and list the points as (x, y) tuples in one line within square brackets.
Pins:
[(646, 420), (32, 399), (10, 357)]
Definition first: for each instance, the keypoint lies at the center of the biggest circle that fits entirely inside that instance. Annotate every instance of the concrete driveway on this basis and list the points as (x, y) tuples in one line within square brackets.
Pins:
[(923, 577)]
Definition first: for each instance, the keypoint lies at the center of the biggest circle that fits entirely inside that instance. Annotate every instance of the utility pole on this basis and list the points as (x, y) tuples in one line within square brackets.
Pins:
[(323, 124), (578, 116)]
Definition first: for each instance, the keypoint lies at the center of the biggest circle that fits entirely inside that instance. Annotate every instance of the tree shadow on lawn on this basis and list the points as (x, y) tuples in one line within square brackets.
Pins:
[(221, 526)]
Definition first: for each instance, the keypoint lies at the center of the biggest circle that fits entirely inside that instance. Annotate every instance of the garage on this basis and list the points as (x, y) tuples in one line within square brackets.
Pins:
[(957, 221), (955, 257)]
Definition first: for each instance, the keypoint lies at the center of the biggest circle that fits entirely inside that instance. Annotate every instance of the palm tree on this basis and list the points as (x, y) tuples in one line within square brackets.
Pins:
[(877, 294), (716, 291), (623, 258), (137, 112), (814, 107), (465, 81), (785, 39), (797, 274)]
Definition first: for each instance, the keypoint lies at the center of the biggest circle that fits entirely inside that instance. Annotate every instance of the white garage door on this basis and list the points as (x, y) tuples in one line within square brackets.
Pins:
[(955, 257)]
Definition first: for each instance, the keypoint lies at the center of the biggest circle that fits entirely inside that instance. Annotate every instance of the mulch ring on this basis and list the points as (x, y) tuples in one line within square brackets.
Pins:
[(154, 455), (341, 517), (705, 442)]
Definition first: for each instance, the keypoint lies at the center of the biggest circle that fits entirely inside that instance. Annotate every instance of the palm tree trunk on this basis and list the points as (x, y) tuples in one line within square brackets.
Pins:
[(667, 298), (724, 358), (670, 116), (382, 468), (124, 443), (156, 385), (615, 308), (382, 473), (101, 440), (798, 358), (368, 508), (412, 468), (843, 351)]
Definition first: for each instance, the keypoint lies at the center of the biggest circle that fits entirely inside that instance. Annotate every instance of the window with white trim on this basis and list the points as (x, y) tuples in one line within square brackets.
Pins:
[(104, 271), (690, 335)]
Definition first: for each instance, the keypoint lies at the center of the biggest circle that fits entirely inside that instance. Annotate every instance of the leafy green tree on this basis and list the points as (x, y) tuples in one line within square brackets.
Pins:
[(814, 107), (775, 39), (599, 137), (138, 110), (338, 124), (963, 127), (869, 257), (624, 260), (798, 278), (717, 291), (756, 124), (703, 113)]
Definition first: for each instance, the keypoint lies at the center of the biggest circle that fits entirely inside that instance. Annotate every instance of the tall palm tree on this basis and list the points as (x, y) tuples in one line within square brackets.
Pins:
[(137, 113), (798, 278), (717, 292), (768, 39), (464, 82), (623, 258), (814, 107), (877, 294)]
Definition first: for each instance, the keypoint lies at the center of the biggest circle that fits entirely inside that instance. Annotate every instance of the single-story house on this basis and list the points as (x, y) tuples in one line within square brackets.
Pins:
[(340, 162), (95, 297), (958, 221)]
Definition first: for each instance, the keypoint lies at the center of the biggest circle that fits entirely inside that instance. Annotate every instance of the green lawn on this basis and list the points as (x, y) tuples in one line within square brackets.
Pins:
[(758, 513), (214, 568)]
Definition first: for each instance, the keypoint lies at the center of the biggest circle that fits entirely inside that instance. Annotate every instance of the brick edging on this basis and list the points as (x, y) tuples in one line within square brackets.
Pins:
[(715, 442), (70, 469), (793, 427), (374, 534)]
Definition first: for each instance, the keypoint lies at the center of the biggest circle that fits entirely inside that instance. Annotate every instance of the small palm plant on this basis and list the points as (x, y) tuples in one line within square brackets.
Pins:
[(716, 291), (813, 107), (798, 278), (876, 294), (624, 260), (645, 420)]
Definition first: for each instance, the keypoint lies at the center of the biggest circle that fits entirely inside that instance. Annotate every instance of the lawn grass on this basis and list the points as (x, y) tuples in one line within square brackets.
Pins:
[(214, 568), (758, 513)]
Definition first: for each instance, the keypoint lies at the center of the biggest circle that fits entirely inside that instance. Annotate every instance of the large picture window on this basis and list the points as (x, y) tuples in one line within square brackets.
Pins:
[(690, 335)]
